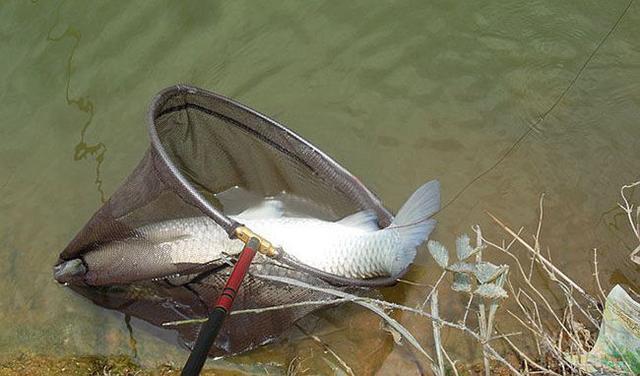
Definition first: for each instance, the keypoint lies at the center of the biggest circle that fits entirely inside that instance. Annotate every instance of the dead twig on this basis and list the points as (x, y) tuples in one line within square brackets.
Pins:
[(543, 260), (633, 218), (328, 349), (436, 334)]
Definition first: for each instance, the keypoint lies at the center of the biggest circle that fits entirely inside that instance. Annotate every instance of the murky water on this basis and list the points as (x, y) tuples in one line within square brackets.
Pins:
[(494, 99)]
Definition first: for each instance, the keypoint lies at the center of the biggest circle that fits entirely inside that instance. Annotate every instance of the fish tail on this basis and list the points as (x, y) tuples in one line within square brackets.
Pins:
[(413, 224)]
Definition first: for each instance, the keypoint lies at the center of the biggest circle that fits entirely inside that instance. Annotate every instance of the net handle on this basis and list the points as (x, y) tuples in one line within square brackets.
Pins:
[(210, 329)]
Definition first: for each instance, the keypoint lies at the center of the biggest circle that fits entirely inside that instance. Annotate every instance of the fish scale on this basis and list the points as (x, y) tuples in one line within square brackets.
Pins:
[(354, 247)]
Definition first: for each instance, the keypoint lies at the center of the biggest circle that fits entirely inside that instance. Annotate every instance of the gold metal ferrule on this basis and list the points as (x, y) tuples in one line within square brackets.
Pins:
[(266, 248)]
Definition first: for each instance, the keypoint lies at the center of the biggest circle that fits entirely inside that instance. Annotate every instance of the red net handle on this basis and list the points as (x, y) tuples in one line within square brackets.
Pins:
[(210, 329)]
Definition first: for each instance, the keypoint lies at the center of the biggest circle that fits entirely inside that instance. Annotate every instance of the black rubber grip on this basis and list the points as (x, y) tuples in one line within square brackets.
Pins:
[(208, 333)]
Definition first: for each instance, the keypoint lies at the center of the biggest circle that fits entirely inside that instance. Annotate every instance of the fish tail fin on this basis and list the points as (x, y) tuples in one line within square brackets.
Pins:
[(413, 225)]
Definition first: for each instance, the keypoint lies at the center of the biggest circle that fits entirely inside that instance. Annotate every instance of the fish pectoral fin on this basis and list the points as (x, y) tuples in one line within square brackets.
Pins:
[(268, 209), (364, 220)]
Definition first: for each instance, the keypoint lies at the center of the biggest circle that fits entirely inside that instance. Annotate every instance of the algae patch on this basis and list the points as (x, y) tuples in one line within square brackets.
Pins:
[(33, 364)]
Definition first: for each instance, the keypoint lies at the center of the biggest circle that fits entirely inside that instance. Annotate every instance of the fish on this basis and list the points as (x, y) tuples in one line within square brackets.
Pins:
[(352, 247)]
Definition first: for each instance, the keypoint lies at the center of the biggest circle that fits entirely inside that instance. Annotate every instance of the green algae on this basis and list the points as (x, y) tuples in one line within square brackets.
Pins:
[(33, 364)]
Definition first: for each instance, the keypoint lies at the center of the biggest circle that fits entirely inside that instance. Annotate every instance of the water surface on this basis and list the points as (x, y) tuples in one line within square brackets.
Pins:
[(492, 98)]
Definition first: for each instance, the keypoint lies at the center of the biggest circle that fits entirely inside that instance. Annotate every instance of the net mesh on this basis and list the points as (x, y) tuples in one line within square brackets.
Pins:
[(203, 144)]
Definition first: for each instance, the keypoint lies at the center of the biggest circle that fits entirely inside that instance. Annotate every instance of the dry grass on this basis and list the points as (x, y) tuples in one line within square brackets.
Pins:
[(566, 335), (558, 336), (633, 216)]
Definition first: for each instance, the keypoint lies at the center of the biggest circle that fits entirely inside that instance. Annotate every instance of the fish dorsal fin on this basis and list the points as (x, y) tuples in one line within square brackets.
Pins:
[(364, 220), (268, 209)]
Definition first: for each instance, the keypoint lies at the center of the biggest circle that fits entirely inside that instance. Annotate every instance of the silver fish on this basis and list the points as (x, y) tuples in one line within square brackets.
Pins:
[(353, 247)]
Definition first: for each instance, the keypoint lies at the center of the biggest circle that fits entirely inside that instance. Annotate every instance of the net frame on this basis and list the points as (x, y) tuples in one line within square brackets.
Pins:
[(161, 162), (162, 173), (357, 191)]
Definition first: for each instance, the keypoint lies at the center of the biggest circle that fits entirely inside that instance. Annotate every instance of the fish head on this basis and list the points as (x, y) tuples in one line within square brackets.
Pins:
[(70, 272)]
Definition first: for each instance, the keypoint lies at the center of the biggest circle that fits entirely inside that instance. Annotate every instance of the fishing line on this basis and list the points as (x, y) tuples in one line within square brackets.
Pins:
[(546, 113), (539, 121)]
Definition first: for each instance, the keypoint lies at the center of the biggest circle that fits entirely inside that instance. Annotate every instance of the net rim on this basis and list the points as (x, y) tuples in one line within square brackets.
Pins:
[(155, 110), (372, 201)]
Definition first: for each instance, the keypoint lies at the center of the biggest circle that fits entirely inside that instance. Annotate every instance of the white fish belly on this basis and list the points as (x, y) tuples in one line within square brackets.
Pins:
[(331, 247)]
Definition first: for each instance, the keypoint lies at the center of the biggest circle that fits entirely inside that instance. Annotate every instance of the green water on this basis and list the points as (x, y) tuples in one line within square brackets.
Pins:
[(398, 92)]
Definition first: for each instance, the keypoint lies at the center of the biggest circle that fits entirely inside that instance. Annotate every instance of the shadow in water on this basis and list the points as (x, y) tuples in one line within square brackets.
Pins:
[(133, 343)]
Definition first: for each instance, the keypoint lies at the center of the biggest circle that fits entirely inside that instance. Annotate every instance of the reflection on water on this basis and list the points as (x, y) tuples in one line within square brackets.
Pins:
[(501, 101)]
